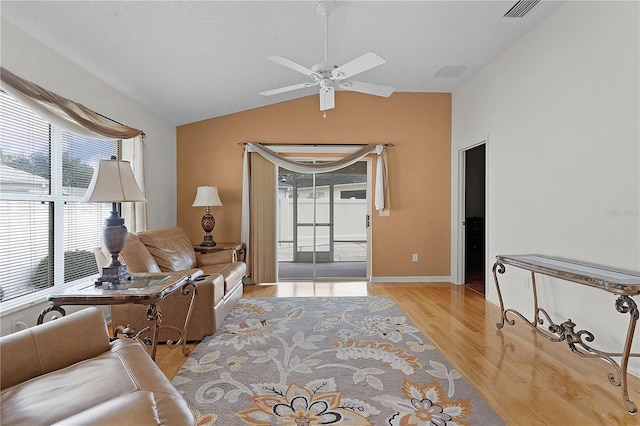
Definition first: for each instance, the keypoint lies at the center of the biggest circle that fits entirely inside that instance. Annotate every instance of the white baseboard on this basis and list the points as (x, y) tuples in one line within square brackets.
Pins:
[(405, 279)]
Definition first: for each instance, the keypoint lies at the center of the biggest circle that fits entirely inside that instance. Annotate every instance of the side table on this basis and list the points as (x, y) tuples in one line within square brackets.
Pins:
[(240, 248), (144, 289)]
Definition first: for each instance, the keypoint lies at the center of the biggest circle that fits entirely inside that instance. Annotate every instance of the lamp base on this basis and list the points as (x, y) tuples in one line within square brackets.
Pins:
[(208, 222), (115, 275), (208, 241)]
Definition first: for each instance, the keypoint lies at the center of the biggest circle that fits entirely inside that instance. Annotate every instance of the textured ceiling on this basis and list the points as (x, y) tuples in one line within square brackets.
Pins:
[(192, 60)]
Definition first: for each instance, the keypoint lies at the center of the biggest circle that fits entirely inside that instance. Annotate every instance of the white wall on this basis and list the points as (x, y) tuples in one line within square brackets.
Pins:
[(560, 113), (30, 59)]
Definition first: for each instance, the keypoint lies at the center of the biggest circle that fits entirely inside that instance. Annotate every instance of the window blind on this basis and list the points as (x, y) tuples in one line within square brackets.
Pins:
[(46, 236)]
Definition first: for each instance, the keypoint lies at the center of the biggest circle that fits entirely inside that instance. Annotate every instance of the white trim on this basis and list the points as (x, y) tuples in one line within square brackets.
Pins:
[(406, 279)]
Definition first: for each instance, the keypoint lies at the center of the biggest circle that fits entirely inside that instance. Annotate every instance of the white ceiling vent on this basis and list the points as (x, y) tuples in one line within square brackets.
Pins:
[(521, 8), (451, 71)]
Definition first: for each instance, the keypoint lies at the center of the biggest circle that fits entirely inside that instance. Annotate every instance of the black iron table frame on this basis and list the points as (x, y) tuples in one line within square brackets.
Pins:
[(154, 314), (576, 340)]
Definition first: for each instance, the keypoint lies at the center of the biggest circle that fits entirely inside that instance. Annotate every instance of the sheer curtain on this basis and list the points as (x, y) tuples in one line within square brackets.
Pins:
[(258, 203), (135, 214)]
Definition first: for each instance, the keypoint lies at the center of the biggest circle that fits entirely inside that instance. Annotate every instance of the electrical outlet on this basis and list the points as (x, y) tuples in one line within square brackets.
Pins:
[(17, 324), (414, 257)]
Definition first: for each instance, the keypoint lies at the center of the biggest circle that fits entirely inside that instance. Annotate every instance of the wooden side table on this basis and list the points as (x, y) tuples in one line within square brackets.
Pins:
[(240, 248)]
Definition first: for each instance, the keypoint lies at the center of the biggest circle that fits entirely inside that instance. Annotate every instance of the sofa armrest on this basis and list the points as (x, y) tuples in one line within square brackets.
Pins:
[(215, 258), (53, 345)]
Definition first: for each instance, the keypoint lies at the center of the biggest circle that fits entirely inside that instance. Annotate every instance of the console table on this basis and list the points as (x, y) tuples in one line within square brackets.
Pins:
[(145, 289), (622, 283)]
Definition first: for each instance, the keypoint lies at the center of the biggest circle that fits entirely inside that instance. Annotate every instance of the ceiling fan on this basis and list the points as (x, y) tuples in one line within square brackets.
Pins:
[(328, 76)]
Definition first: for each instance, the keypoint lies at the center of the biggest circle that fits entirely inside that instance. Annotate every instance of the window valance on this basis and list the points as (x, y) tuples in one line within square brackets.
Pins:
[(62, 112), (332, 166)]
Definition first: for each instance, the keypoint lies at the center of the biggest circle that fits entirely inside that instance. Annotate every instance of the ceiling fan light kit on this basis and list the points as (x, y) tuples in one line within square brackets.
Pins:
[(329, 77)]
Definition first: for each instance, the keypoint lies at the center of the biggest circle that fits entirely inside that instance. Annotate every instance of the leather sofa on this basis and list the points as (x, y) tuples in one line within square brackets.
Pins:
[(169, 249), (68, 372)]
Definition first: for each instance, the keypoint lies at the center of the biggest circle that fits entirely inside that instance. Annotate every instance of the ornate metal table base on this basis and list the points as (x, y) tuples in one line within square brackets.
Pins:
[(151, 294), (154, 314), (578, 341)]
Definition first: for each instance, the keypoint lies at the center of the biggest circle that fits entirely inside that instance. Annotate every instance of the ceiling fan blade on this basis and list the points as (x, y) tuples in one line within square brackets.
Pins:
[(293, 65), (327, 98), (368, 88), (287, 89), (356, 66)]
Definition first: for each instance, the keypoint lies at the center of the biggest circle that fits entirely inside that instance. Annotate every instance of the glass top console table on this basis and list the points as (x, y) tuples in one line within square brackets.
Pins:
[(624, 284), (144, 289)]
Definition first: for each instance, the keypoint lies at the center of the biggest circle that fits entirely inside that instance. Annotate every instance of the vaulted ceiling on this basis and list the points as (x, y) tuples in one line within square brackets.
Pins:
[(192, 60)]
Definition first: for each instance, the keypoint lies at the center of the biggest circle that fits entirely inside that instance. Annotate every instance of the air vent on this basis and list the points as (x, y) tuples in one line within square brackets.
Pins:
[(521, 8), (451, 71)]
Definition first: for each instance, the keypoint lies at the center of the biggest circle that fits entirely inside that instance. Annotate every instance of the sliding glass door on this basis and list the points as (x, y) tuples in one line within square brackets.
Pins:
[(322, 224)]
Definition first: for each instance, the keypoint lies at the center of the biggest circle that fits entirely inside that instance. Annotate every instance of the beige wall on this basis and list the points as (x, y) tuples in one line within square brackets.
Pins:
[(560, 111), (418, 124)]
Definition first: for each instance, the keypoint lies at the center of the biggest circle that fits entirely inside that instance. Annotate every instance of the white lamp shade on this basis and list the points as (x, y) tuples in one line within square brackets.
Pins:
[(207, 196), (113, 182)]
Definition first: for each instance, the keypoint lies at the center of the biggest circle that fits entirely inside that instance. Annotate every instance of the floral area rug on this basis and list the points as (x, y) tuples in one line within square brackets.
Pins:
[(325, 361)]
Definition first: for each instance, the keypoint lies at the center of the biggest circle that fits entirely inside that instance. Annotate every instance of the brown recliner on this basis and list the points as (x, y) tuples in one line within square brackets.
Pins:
[(169, 249), (68, 372)]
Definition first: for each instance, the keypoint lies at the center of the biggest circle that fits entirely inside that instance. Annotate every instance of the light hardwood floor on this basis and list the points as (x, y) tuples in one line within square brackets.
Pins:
[(525, 378)]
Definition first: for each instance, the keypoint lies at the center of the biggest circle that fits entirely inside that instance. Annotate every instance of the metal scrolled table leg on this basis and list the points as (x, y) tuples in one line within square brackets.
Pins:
[(182, 341), (498, 268), (626, 304), (154, 314)]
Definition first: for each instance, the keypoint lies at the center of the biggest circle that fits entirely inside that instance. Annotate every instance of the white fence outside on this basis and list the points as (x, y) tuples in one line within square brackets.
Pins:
[(349, 220)]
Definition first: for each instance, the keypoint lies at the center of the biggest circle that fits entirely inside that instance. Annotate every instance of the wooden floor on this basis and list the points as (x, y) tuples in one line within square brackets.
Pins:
[(525, 378)]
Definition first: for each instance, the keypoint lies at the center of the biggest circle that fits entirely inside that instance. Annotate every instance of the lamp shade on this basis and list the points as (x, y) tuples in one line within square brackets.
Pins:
[(207, 196), (113, 182)]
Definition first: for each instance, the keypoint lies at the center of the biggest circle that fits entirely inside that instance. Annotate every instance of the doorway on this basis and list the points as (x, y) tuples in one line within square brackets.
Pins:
[(474, 217), (322, 224)]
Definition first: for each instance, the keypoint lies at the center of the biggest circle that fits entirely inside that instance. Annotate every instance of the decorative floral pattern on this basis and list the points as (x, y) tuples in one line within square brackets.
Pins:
[(324, 361)]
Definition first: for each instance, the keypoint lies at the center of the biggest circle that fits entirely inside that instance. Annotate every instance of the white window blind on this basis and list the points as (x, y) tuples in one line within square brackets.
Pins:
[(46, 236)]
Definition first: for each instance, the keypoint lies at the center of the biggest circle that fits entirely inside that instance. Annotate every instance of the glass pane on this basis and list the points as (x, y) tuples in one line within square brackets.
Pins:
[(323, 217), (285, 216), (322, 224), (83, 233), (83, 222), (79, 156), (24, 150), (25, 248)]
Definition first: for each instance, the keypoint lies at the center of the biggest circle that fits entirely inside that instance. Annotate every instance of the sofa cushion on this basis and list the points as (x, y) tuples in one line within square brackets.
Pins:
[(170, 247), (233, 273), (136, 256)]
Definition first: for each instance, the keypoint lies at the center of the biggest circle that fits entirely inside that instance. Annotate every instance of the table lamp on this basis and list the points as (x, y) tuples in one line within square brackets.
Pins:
[(207, 196), (113, 182)]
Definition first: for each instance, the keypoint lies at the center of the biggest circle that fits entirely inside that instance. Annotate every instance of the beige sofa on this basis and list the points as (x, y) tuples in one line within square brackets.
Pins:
[(68, 372), (170, 249)]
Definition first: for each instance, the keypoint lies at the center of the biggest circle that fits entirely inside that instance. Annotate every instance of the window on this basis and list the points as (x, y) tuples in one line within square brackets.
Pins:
[(47, 236)]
